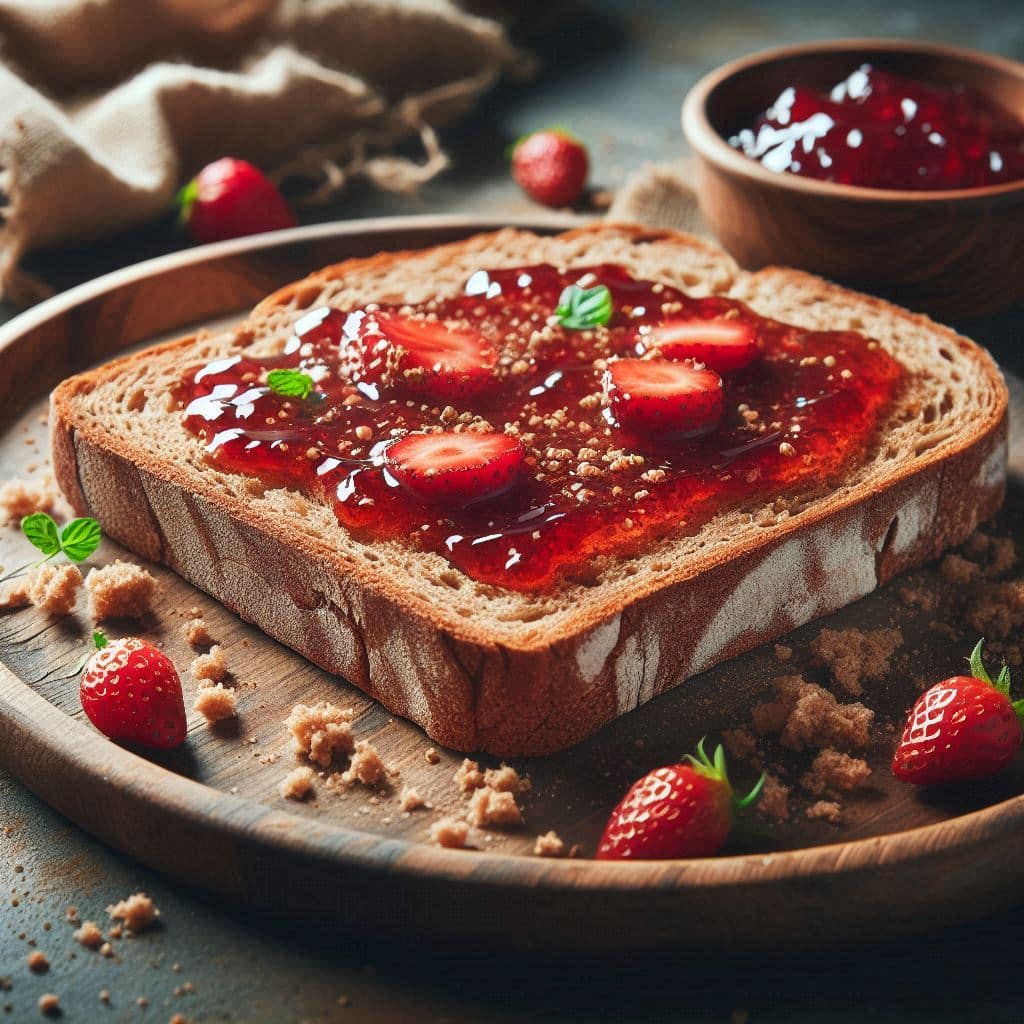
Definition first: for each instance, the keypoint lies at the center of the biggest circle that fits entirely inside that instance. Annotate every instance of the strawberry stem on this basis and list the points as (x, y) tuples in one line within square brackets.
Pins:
[(99, 638), (185, 199), (978, 670), (752, 796)]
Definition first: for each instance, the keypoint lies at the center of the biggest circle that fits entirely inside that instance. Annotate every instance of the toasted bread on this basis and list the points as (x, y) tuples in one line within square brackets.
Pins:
[(480, 667)]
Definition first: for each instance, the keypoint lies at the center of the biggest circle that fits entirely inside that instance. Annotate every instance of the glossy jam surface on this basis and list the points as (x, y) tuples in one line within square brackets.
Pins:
[(881, 130), (799, 414)]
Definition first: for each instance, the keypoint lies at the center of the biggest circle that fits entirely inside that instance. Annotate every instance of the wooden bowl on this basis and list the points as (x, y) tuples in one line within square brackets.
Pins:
[(953, 253)]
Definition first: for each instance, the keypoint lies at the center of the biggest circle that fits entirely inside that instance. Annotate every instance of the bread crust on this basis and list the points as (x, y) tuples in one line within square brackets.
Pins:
[(472, 688)]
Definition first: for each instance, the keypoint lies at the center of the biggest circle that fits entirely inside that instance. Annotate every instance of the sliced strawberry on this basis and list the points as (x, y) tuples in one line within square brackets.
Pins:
[(662, 399), (724, 345), (429, 357), (455, 469), (321, 324)]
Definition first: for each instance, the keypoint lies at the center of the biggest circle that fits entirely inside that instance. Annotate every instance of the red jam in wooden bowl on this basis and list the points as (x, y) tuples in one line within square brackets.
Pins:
[(594, 440), (877, 129)]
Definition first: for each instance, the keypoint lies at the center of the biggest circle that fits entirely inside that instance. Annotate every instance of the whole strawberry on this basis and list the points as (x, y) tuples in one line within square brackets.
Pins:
[(684, 810), (229, 199), (964, 728), (131, 692), (551, 167)]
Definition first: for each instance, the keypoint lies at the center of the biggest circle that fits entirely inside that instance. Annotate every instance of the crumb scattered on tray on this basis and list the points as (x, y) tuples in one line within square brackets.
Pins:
[(450, 833), (432, 756), (298, 783), (54, 588), (15, 595), (20, 498), (740, 744), (137, 912), (89, 935), (366, 767), (774, 800), (958, 570), (825, 810), (321, 731), (49, 1004), (783, 653), (121, 590), (197, 633), (856, 656), (211, 666), (410, 800), (506, 779), (215, 703), (38, 962), (834, 771), (806, 715), (468, 776), (492, 808), (549, 845)]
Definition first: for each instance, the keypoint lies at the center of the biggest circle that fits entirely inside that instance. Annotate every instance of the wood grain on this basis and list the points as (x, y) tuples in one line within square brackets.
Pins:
[(210, 814)]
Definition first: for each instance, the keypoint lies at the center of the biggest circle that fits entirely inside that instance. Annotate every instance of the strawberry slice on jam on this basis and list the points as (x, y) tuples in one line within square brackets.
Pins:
[(455, 469), (724, 345), (428, 357), (664, 400)]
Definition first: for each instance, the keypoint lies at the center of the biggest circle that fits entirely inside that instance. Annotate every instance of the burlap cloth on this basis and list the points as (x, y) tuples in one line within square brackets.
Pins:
[(108, 106)]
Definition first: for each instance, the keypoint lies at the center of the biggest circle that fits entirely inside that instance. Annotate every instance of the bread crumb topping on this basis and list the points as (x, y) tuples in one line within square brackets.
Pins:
[(121, 590)]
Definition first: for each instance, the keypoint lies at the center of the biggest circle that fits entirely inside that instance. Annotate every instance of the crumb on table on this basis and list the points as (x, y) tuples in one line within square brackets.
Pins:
[(834, 771), (49, 1004), (506, 779), (197, 633), (212, 666), (468, 776), (806, 715), (432, 756), (774, 800), (54, 588), (450, 833), (20, 498), (121, 590), (37, 962), (856, 656), (958, 570), (15, 595), (321, 731), (89, 935), (215, 703), (410, 800), (298, 783), (740, 744), (492, 808), (366, 767), (825, 810), (137, 912), (549, 845)]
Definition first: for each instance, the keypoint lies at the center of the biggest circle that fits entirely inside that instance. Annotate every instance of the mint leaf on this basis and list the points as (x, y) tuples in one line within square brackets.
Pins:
[(80, 538), (579, 309), (290, 383), (41, 531)]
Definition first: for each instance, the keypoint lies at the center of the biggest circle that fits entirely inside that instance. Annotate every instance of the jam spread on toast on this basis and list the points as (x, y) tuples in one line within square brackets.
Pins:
[(877, 129), (544, 418)]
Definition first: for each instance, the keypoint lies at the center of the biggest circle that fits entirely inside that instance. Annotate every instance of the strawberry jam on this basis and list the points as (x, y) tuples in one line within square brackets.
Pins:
[(568, 482), (881, 130)]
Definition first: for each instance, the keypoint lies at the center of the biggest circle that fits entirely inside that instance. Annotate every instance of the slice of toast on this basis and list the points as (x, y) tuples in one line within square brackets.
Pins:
[(484, 668)]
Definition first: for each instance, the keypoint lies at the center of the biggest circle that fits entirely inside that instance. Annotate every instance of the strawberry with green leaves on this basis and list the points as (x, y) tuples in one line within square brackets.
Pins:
[(964, 728), (683, 810), (551, 166)]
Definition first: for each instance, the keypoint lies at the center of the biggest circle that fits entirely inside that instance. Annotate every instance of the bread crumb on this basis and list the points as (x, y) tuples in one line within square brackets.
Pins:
[(825, 810), (549, 845), (958, 570), (197, 633), (297, 784), (432, 756), (121, 590), (832, 770), (410, 800), (926, 600), (49, 1004), (37, 962), (20, 498), (997, 609), (468, 776), (492, 808), (71, 915), (774, 800), (321, 731), (1003, 556), (366, 766), (740, 744), (15, 596), (138, 912), (450, 833), (506, 779), (856, 656), (806, 715), (783, 653), (89, 935), (215, 703), (54, 588), (211, 666), (104, 995), (107, 949)]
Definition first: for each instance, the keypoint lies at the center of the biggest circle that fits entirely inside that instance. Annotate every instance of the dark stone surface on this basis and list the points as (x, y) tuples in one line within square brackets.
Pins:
[(617, 79)]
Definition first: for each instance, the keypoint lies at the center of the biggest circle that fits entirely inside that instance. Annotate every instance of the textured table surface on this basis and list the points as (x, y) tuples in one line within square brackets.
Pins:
[(617, 79)]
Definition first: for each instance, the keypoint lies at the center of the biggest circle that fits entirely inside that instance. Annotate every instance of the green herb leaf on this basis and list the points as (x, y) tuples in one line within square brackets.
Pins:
[(579, 309), (99, 638), (41, 531), (290, 383), (80, 538)]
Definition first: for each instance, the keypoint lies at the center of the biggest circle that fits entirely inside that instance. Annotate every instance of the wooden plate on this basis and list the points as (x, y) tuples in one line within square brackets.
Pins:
[(210, 814)]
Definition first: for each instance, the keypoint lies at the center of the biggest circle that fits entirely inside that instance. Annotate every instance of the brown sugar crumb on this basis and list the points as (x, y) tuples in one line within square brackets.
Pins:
[(215, 703), (49, 1005), (774, 800), (432, 756), (20, 498), (37, 962), (197, 633), (997, 610), (492, 808), (54, 588), (740, 744), (211, 666), (89, 935), (15, 596), (832, 771), (783, 653), (297, 784), (321, 731), (366, 766), (506, 779), (450, 833), (549, 845), (71, 915), (410, 800), (1002, 556), (137, 912), (825, 810), (958, 570), (926, 600), (121, 590), (857, 656), (807, 715), (468, 776)]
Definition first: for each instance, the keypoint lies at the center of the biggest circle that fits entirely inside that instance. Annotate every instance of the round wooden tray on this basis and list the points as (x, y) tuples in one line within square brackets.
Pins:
[(210, 815)]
